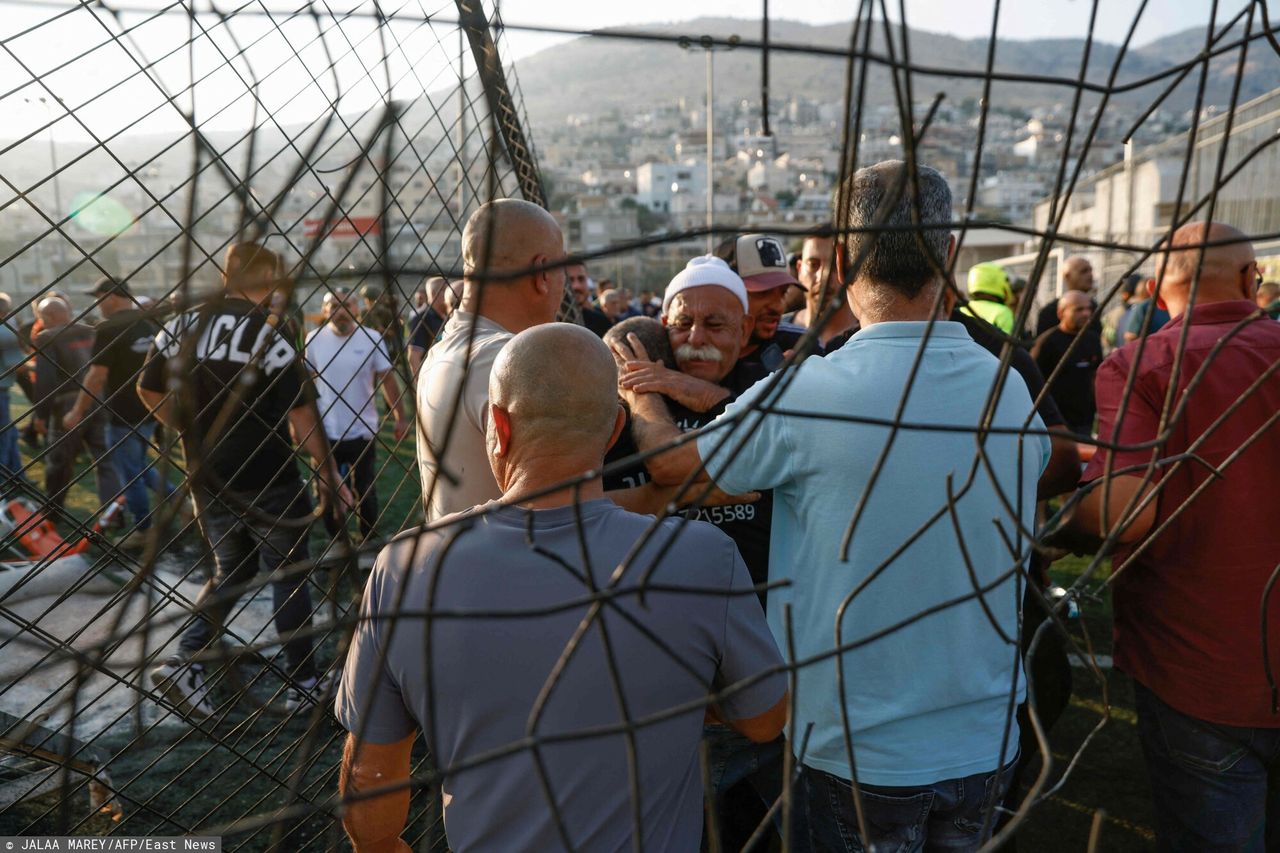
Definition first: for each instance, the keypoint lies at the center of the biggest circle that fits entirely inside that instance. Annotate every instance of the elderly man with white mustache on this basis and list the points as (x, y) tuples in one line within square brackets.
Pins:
[(707, 321)]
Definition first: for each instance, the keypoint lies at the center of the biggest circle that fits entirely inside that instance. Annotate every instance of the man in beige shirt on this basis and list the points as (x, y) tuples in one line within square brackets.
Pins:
[(507, 246)]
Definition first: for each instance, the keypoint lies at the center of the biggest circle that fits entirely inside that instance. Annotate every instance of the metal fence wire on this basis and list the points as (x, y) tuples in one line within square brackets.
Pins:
[(354, 143)]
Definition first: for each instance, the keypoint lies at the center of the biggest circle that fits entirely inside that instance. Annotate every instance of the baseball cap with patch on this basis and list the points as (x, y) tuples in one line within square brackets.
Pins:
[(760, 259)]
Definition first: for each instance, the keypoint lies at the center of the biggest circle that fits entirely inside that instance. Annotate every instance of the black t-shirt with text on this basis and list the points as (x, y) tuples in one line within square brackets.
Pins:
[(1072, 389), (253, 450), (746, 524), (121, 346)]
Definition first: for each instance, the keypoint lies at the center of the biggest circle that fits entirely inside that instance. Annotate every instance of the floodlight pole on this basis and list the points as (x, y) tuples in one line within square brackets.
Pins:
[(711, 171), (708, 44)]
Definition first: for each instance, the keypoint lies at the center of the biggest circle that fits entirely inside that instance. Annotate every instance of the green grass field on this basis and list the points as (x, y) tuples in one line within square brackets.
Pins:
[(165, 771)]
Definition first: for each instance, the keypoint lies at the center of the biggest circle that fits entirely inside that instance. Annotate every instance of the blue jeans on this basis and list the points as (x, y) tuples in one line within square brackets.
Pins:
[(10, 461), (732, 758), (1209, 782), (129, 454), (947, 815)]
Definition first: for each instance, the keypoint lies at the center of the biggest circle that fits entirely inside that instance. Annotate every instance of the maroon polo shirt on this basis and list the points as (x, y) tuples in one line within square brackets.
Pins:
[(1188, 610)]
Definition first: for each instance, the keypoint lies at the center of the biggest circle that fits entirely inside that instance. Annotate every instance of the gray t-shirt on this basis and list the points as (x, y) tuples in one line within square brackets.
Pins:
[(477, 695)]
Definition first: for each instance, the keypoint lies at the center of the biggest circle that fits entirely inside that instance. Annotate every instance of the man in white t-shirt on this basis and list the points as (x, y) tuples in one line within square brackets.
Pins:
[(349, 362)]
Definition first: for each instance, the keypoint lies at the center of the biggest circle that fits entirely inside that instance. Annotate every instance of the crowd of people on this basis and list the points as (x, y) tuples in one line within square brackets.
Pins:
[(884, 561), (774, 532)]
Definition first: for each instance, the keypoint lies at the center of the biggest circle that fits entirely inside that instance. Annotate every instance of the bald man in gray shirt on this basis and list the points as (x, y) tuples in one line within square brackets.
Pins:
[(524, 657)]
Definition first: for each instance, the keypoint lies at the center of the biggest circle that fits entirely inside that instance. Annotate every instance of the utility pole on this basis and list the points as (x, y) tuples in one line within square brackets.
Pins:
[(707, 43), (711, 169)]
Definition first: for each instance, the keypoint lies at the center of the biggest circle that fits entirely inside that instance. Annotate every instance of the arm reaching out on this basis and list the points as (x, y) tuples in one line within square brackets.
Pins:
[(652, 426)]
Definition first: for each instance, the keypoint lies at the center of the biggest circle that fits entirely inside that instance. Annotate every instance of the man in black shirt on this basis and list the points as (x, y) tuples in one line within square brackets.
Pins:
[(63, 350), (705, 311), (706, 326), (120, 347), (762, 263), (1077, 275), (1072, 388), (580, 284), (226, 379), (426, 322), (824, 295)]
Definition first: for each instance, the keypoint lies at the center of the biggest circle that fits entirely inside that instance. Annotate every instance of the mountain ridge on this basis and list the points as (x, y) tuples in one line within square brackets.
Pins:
[(594, 74)]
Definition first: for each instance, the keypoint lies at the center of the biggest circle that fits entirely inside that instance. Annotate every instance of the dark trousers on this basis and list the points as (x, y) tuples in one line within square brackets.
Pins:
[(1049, 682), (245, 545), (357, 463), (64, 448), (1209, 782), (947, 815), (737, 763)]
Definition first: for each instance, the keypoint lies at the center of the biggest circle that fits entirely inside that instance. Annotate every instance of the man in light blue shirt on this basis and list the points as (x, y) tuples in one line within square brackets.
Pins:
[(901, 546)]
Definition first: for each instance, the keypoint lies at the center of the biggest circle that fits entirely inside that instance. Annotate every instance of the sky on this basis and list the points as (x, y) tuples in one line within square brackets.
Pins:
[(423, 64)]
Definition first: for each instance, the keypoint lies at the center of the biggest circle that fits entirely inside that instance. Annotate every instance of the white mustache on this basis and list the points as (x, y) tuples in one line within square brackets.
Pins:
[(688, 352)]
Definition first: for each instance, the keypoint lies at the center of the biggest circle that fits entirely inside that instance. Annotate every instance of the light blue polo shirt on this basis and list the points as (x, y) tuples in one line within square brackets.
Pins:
[(928, 696)]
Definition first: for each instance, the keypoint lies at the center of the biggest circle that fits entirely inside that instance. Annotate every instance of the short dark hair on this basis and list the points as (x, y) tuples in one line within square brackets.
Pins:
[(247, 258), (727, 251), (904, 258), (651, 333)]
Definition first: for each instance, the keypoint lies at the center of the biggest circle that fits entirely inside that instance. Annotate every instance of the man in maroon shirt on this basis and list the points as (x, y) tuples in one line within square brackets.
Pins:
[(1196, 551)]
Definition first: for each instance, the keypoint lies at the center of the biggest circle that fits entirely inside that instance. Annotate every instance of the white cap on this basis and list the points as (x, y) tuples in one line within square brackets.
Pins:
[(702, 271)]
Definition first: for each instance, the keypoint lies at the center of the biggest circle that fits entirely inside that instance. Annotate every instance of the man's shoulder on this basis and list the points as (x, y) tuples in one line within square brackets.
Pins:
[(460, 341), (1045, 338), (373, 336)]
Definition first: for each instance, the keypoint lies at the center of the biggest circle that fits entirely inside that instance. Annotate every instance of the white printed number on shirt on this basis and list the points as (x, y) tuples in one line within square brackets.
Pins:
[(725, 514)]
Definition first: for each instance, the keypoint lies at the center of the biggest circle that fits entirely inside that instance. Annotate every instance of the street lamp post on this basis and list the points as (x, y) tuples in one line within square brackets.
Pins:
[(707, 43), (711, 173)]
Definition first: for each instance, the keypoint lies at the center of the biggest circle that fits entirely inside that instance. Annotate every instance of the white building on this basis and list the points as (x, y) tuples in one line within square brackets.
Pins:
[(658, 183)]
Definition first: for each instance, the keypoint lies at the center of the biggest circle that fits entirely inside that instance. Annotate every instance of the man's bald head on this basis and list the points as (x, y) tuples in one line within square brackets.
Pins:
[(1226, 271), (510, 252), (502, 236), (555, 410), (1077, 274), (53, 312), (1075, 308), (435, 288)]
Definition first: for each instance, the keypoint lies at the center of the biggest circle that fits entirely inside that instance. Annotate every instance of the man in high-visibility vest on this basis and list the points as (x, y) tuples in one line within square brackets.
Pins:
[(990, 296)]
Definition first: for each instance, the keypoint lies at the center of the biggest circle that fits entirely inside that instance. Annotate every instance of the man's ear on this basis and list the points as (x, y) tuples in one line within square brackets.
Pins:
[(949, 297), (501, 429), (1151, 292), (619, 422), (541, 280), (1249, 283), (748, 324)]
